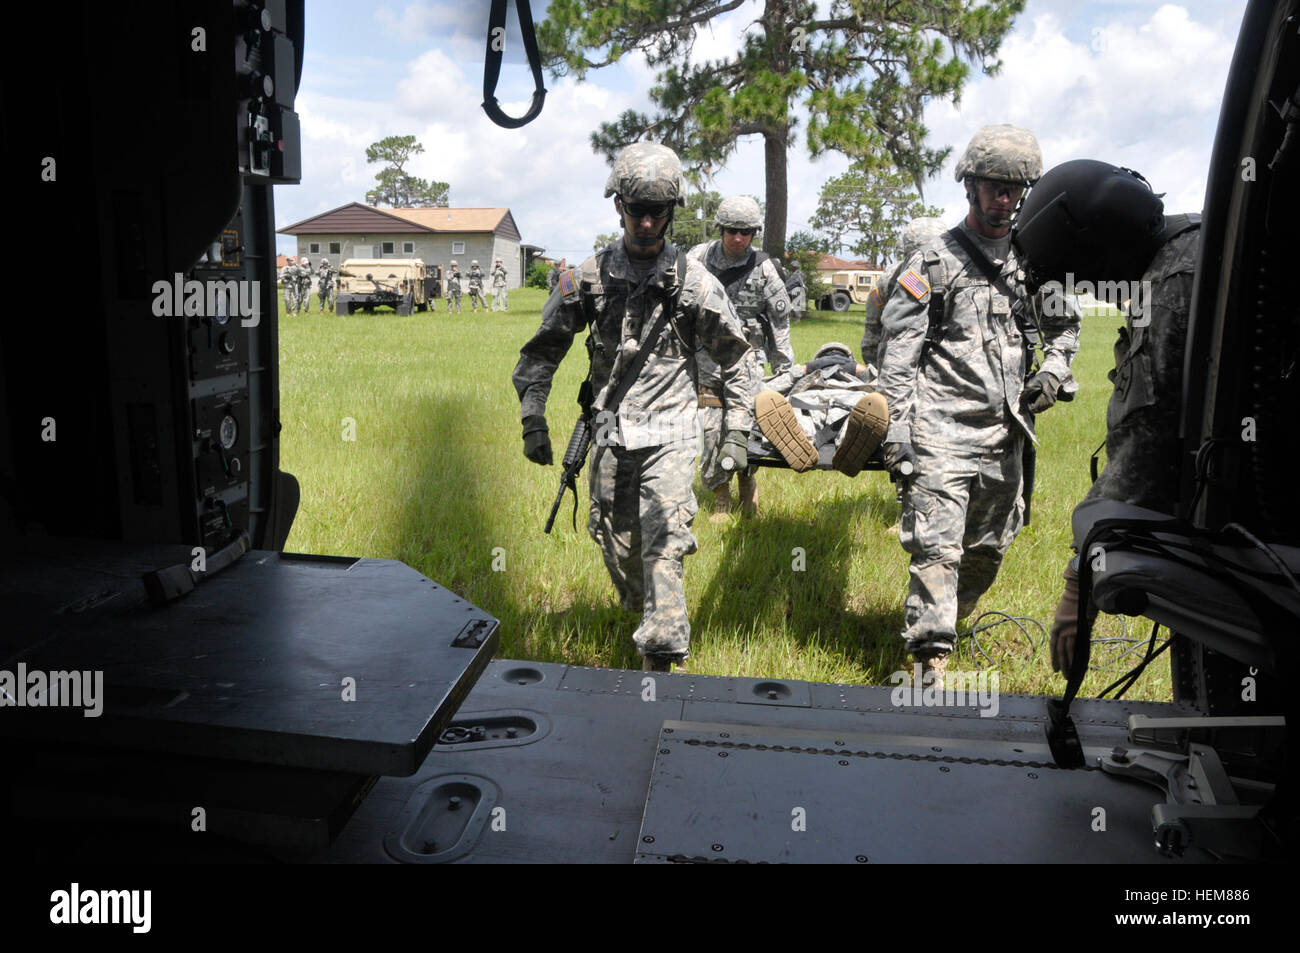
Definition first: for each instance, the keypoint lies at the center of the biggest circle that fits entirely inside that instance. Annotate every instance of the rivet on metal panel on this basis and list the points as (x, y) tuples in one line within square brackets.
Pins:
[(717, 847), (935, 748), (839, 744), (843, 762), (663, 750), (861, 858), (724, 734), (722, 754), (453, 803), (647, 839), (944, 768), (668, 731), (1032, 775)]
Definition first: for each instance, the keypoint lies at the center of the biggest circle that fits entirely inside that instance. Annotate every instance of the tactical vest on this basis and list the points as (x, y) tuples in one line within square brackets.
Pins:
[(749, 307)]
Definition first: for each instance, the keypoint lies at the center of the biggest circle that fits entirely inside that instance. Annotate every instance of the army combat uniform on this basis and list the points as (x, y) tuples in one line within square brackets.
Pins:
[(641, 471), (453, 289), (916, 231), (756, 290), (289, 281), (325, 286), (1142, 465), (958, 403), (499, 302), (304, 286), (476, 289)]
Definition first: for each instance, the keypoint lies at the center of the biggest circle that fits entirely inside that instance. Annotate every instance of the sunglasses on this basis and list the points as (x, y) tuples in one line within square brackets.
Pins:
[(740, 231), (642, 209)]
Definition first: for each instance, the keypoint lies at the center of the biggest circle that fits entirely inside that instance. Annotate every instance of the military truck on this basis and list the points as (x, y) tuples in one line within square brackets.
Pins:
[(849, 287), (403, 284)]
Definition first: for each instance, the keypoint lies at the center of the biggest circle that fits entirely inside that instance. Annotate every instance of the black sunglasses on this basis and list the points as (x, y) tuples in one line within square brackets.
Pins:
[(642, 209), (740, 231)]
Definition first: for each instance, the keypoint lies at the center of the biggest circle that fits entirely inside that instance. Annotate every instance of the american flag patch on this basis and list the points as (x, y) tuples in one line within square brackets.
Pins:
[(914, 284), (568, 285)]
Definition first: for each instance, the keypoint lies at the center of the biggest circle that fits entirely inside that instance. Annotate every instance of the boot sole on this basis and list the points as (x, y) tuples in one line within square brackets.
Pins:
[(867, 426), (777, 420)]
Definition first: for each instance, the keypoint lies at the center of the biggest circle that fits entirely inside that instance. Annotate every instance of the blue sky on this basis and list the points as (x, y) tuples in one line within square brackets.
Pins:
[(1132, 82)]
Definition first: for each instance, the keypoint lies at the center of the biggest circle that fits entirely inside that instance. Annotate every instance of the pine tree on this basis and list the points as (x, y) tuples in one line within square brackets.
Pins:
[(864, 72)]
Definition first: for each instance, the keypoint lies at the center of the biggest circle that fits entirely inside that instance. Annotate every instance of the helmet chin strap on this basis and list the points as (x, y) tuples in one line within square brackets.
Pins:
[(972, 199)]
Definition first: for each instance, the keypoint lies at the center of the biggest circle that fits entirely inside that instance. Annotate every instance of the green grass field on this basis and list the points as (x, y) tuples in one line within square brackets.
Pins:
[(436, 478)]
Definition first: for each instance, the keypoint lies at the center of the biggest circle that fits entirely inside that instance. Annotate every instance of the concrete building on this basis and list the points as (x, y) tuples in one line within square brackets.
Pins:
[(434, 235)]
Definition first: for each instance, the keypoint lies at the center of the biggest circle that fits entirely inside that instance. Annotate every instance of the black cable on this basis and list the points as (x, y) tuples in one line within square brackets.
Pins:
[(1126, 681), (976, 628)]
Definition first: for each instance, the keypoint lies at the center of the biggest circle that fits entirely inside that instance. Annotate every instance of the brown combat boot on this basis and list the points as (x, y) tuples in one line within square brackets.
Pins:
[(867, 426), (748, 496), (780, 425), (721, 503)]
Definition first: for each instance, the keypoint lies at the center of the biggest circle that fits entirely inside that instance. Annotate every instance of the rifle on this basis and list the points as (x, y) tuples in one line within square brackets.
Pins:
[(574, 456)]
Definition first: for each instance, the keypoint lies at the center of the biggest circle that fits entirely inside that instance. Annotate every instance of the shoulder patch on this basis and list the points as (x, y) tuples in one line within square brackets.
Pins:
[(914, 284), (568, 285)]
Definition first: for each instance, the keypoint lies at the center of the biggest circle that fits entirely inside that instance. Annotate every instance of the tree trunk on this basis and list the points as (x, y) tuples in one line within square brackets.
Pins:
[(775, 164)]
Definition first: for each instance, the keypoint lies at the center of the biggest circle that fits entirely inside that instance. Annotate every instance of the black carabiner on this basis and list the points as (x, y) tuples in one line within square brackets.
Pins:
[(492, 64)]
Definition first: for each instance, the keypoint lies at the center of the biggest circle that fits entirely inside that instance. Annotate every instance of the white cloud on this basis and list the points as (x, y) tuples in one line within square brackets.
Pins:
[(1145, 95)]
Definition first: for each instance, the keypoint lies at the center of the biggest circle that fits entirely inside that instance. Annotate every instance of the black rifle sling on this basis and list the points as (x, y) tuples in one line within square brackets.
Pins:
[(666, 313), (741, 272)]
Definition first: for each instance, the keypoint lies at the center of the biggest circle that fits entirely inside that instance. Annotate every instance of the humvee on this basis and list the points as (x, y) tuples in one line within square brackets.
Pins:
[(403, 284), (849, 287)]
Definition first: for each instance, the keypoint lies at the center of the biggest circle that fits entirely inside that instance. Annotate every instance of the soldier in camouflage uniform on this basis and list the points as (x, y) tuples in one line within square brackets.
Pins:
[(643, 465), (917, 231), (797, 288), (476, 287), (552, 277), (453, 287), (1116, 231), (755, 288), (289, 282), (304, 283), (499, 302), (960, 406), (325, 284)]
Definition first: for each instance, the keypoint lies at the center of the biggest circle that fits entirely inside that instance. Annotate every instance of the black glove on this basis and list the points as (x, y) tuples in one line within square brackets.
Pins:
[(1040, 392), (1065, 627), (900, 459), (537, 440), (735, 447)]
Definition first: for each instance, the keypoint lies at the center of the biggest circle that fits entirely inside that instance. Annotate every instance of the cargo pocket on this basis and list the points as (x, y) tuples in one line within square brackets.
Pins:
[(1134, 388), (914, 519)]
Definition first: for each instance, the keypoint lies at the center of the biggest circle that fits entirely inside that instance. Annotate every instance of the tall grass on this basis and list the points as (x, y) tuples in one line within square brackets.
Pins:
[(436, 478)]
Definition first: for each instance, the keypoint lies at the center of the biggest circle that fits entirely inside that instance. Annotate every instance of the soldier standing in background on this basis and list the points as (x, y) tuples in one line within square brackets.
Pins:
[(499, 302), (304, 283), (453, 287), (476, 287), (755, 288), (325, 284), (960, 408), (289, 282), (653, 311), (552, 277)]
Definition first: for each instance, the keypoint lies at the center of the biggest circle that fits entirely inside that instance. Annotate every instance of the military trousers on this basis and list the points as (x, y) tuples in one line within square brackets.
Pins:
[(642, 508), (450, 296), (958, 518), (499, 302)]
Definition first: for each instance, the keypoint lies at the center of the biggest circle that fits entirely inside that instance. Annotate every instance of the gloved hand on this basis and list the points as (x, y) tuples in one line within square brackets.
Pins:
[(537, 440), (900, 459), (1065, 627), (1040, 392), (734, 450)]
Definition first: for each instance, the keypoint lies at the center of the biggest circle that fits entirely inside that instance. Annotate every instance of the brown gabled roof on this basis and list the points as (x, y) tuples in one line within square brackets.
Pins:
[(366, 219), (831, 263)]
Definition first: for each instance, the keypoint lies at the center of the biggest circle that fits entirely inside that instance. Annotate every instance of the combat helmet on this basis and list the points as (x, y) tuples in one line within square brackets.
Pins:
[(453, 263), (830, 346), (738, 211), (1090, 219), (474, 263), (647, 172), (919, 231), (1004, 153), (325, 261)]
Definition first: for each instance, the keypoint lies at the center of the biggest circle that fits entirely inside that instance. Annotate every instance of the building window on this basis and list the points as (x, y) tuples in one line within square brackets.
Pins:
[(458, 248), (408, 248), (387, 248), (313, 248), (336, 248)]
